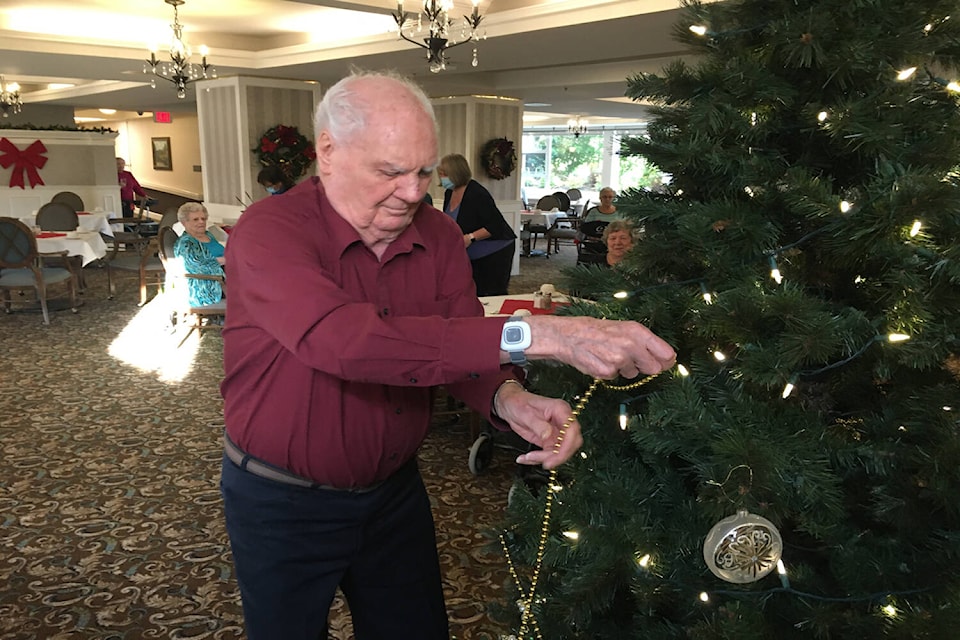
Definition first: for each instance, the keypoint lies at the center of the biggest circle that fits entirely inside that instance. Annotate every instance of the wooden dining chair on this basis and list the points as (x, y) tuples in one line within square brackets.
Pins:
[(563, 199), (546, 203), (564, 230), (21, 267), (135, 255), (70, 199), (56, 216)]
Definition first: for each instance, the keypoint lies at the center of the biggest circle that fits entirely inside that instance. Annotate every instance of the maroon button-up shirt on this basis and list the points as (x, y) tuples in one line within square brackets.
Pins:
[(330, 354)]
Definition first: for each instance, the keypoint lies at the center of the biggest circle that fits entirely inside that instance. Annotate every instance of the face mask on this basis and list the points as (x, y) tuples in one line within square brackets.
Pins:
[(447, 183), (272, 190)]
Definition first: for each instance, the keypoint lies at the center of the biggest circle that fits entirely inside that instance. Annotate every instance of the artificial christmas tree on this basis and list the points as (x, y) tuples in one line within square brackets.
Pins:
[(804, 263)]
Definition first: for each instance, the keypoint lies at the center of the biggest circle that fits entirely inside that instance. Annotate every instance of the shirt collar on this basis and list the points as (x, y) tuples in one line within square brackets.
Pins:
[(343, 235)]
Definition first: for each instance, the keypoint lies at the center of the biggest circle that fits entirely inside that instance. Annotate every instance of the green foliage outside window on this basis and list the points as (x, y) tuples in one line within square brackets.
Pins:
[(577, 162)]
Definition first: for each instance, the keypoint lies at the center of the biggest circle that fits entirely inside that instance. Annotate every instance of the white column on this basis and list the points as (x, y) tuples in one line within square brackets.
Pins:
[(234, 112)]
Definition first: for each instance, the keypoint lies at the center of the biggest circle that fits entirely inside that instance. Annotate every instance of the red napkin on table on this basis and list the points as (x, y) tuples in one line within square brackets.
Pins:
[(509, 306), (50, 234)]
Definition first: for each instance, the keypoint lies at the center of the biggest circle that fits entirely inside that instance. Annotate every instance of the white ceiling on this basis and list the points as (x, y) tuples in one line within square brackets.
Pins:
[(573, 55)]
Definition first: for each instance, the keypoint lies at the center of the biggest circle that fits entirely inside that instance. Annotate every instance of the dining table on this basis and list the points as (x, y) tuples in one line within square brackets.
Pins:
[(509, 304), (538, 218), (86, 221), (88, 245)]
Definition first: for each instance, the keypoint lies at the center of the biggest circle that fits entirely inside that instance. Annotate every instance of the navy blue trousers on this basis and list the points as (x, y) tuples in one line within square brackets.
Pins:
[(292, 547), (491, 274)]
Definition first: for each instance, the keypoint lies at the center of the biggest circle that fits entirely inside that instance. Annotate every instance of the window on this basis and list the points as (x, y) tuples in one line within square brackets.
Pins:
[(557, 161)]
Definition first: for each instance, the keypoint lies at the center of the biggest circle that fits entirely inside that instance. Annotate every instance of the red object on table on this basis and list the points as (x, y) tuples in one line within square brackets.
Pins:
[(509, 306), (50, 234)]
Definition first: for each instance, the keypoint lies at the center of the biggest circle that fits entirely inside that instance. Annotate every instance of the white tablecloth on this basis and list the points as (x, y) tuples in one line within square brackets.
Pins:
[(545, 218), (87, 244), (86, 222)]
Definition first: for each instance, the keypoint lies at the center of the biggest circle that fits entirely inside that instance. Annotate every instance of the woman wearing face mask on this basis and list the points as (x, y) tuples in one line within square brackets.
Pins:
[(488, 238), (274, 180)]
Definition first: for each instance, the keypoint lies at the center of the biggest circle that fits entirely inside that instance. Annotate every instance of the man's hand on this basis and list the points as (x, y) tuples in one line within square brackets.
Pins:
[(599, 348), (538, 420)]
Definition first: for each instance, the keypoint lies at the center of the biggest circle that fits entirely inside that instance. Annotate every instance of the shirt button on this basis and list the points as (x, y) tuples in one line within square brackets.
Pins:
[(399, 411), (386, 311), (474, 376), (413, 381)]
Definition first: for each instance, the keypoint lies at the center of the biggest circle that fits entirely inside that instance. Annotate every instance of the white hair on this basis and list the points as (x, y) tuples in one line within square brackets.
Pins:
[(183, 213), (342, 115)]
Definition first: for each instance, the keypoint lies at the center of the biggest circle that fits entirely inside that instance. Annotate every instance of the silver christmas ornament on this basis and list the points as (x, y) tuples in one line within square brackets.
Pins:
[(742, 548)]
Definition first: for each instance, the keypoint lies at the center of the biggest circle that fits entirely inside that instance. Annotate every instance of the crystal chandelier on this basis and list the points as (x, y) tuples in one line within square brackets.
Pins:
[(9, 98), (434, 27), (179, 70), (577, 126)]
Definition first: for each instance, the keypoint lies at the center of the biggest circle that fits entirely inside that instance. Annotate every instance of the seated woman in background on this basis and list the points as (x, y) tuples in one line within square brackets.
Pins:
[(489, 240), (201, 254), (606, 210), (618, 236)]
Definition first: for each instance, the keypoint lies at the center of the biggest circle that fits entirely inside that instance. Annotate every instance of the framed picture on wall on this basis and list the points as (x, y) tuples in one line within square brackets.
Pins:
[(161, 154)]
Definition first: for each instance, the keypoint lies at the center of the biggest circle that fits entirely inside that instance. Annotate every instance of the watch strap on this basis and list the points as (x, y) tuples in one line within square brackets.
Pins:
[(518, 357)]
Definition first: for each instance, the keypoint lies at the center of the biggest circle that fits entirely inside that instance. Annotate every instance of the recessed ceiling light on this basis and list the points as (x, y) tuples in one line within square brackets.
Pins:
[(107, 112), (60, 85), (537, 104)]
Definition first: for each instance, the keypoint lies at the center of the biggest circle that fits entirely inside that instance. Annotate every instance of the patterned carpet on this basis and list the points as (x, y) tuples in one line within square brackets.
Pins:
[(112, 525)]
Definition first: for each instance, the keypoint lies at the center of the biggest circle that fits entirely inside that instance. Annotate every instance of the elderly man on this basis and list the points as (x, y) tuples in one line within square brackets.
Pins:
[(349, 301)]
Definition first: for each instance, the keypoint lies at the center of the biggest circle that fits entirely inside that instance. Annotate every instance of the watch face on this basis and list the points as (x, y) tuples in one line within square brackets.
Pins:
[(513, 335)]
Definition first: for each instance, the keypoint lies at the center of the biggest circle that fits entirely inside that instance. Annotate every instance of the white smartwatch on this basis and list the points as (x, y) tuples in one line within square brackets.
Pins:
[(514, 339)]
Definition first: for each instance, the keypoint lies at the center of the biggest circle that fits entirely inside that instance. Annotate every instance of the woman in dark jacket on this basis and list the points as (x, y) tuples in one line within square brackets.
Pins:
[(488, 238)]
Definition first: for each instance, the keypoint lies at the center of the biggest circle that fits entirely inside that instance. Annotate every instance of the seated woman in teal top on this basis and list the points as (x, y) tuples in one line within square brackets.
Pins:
[(201, 254)]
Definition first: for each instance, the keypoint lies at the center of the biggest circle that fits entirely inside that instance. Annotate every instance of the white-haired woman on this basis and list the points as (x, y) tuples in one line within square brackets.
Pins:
[(201, 254)]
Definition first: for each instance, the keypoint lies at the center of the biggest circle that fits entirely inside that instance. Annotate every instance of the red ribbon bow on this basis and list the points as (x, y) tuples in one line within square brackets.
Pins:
[(29, 161)]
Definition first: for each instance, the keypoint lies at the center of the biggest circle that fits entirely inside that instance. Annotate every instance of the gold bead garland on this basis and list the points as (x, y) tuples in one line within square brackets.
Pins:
[(527, 619)]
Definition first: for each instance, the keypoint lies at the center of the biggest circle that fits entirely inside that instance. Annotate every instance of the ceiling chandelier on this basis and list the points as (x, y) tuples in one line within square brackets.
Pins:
[(178, 70), (577, 126), (9, 98), (434, 27)]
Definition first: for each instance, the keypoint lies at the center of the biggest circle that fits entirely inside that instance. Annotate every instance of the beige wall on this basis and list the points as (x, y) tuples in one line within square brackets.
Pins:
[(184, 137)]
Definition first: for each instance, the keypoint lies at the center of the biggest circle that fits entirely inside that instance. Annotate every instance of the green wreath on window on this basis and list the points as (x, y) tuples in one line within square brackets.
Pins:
[(499, 158), (287, 148)]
